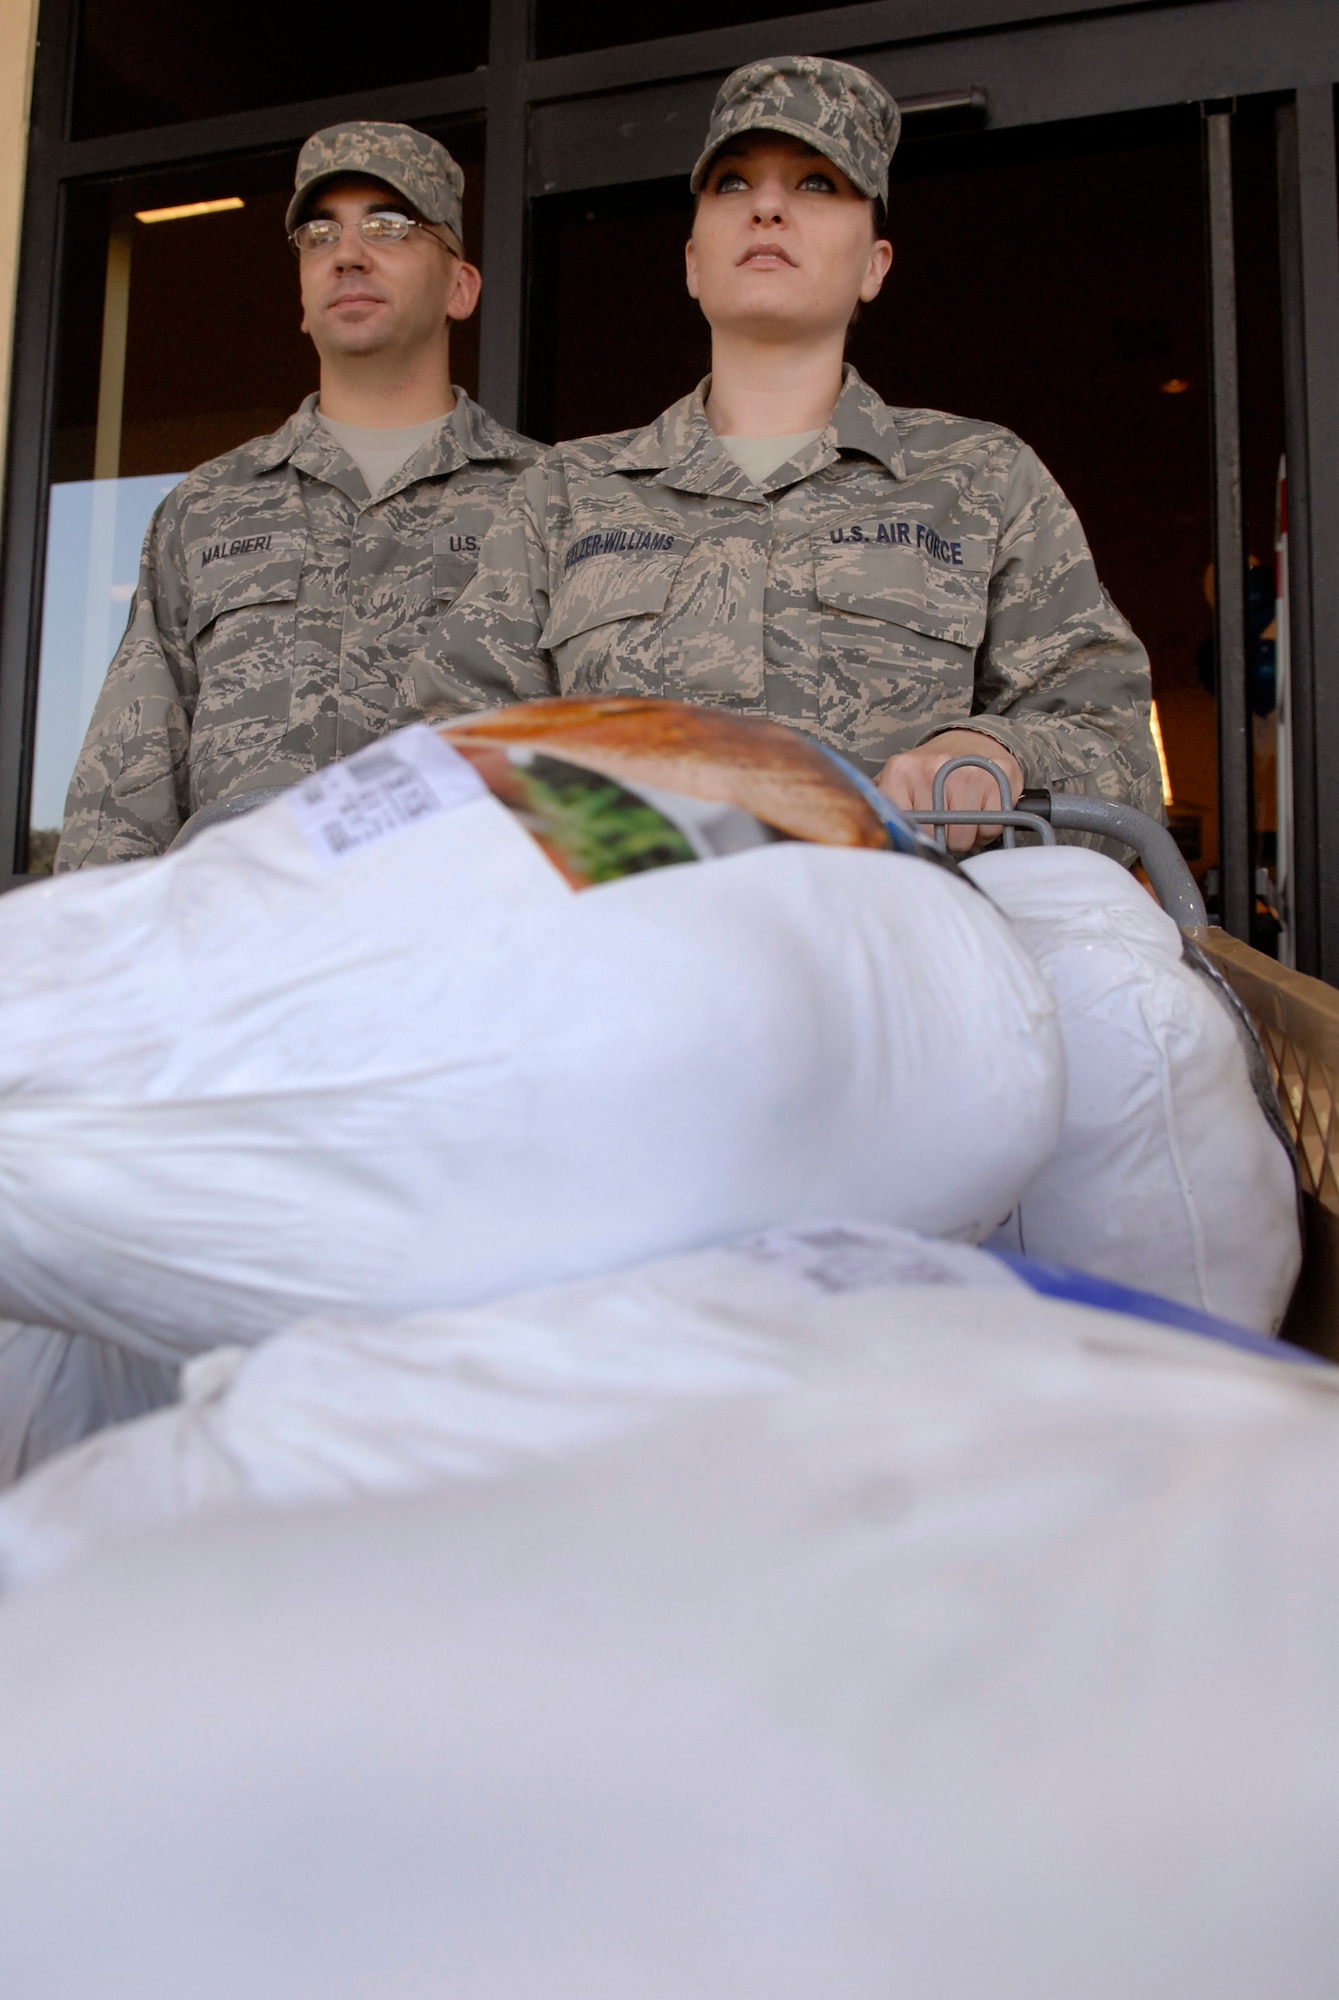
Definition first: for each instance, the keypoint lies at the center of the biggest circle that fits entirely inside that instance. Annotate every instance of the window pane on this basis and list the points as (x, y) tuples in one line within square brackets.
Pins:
[(1260, 343), (1053, 280), (564, 27), (213, 353), (623, 338), (153, 62), (178, 340), (94, 531)]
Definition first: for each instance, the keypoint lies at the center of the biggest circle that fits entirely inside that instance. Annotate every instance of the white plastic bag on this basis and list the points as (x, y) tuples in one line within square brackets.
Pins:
[(1167, 1175), (333, 1408), (363, 1051), (55, 1388), (1000, 1665)]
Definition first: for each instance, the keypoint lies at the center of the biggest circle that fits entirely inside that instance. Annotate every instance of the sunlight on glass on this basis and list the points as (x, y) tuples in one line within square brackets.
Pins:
[(94, 531), (1167, 798)]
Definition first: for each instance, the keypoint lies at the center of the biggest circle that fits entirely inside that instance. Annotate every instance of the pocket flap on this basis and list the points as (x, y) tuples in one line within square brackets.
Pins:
[(633, 582), (263, 566), (942, 594)]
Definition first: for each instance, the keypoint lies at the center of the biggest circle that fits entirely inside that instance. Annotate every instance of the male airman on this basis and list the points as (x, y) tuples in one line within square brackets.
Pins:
[(291, 590)]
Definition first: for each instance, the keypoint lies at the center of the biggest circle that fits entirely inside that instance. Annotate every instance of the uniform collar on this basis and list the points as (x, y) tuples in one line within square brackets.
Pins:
[(684, 450), (470, 436), (272, 451)]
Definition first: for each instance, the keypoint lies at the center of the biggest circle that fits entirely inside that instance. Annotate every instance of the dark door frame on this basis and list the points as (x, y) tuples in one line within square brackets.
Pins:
[(635, 113)]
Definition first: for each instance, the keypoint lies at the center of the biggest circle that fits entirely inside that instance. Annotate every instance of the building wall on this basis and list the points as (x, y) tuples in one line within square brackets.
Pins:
[(18, 40)]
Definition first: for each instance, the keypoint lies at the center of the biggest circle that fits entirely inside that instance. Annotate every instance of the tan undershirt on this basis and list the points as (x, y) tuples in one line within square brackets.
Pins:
[(379, 454), (760, 457)]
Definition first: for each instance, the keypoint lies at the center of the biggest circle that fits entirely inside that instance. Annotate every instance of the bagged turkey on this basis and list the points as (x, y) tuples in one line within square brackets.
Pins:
[(333, 1409), (994, 1659), (376, 1048)]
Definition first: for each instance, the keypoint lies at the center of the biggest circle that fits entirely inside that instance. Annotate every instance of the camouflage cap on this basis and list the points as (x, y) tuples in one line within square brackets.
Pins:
[(417, 167), (837, 109)]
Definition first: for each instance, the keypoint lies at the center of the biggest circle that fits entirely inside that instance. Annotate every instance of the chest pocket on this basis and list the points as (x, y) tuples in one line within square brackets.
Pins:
[(941, 600), (605, 623), (243, 627), (232, 576), (456, 543)]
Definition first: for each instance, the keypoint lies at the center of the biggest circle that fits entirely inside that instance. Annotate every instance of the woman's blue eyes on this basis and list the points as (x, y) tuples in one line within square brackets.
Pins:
[(811, 184)]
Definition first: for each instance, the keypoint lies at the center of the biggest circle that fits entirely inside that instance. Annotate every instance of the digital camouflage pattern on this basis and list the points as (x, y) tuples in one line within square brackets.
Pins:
[(416, 166), (906, 573), (283, 618), (838, 110)]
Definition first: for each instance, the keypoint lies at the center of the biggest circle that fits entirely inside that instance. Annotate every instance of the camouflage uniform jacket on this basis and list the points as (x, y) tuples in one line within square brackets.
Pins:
[(281, 620), (906, 573)]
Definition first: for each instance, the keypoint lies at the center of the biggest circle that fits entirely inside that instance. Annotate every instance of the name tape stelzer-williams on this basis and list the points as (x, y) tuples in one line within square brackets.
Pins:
[(618, 542), (901, 535), (381, 791)]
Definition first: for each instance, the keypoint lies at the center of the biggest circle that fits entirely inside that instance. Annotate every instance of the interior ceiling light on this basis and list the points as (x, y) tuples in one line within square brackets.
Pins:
[(1177, 386), (186, 208)]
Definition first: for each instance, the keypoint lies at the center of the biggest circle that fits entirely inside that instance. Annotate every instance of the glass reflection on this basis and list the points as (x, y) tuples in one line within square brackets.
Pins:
[(95, 529)]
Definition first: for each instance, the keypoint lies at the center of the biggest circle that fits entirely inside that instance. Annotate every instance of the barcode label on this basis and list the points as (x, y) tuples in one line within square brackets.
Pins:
[(381, 791), (846, 1257)]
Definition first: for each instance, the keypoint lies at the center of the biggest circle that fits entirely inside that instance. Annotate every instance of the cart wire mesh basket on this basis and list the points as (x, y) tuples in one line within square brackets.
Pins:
[(1298, 1019)]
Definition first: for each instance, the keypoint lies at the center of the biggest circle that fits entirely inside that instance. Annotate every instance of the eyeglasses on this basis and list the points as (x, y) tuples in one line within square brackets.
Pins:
[(324, 233)]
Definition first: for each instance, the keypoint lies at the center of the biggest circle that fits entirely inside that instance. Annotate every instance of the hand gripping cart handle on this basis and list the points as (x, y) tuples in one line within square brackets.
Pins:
[(1047, 813)]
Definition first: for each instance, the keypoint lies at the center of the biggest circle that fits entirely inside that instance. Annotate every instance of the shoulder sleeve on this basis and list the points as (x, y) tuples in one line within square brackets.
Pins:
[(489, 649), (129, 794), (1061, 680)]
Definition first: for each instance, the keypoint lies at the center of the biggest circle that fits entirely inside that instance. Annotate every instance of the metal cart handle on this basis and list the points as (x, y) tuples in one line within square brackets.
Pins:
[(1070, 812), (1163, 862)]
